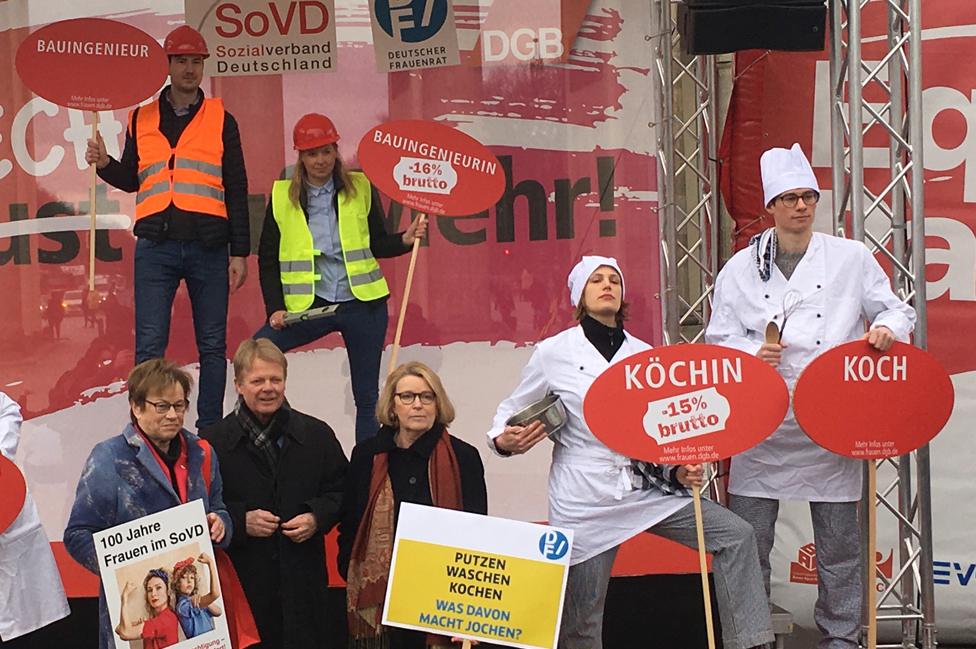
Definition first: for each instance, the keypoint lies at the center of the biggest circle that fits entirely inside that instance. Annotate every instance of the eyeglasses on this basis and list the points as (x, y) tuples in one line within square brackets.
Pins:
[(163, 407), (426, 398), (791, 199)]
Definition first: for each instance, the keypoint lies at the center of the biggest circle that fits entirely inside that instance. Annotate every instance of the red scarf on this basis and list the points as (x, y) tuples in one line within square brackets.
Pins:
[(372, 549)]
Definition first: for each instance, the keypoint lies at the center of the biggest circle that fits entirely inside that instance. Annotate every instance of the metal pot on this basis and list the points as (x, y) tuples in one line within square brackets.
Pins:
[(549, 410)]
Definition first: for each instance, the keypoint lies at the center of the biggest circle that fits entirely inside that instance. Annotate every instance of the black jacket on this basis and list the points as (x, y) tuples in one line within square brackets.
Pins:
[(409, 479), (174, 223), (285, 582), (381, 244)]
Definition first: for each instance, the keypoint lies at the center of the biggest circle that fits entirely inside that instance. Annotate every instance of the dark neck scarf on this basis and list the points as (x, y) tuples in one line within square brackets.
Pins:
[(607, 340), (372, 550), (764, 252), (263, 436)]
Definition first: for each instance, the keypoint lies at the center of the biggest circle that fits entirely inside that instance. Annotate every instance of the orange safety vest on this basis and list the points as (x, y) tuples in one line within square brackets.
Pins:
[(194, 180)]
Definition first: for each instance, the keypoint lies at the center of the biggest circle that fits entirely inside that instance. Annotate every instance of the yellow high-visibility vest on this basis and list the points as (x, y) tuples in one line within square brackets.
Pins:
[(296, 250)]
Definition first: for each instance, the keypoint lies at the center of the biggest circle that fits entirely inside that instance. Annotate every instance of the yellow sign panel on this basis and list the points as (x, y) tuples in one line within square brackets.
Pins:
[(477, 594)]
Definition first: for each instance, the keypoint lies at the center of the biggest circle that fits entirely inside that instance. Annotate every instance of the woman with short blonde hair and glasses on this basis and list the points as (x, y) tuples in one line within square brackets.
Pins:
[(411, 459)]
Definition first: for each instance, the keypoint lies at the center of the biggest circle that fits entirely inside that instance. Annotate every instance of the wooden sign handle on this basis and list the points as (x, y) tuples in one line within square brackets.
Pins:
[(91, 210), (703, 565), (466, 644), (872, 562), (404, 302)]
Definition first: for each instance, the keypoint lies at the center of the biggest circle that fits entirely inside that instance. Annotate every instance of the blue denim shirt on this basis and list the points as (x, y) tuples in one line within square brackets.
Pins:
[(333, 283), (194, 620)]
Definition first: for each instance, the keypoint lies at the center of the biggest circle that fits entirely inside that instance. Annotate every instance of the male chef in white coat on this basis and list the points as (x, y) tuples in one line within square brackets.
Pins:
[(821, 291), (31, 594)]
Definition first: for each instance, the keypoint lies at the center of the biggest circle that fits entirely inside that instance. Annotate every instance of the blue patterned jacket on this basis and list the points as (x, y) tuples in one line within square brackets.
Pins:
[(122, 481)]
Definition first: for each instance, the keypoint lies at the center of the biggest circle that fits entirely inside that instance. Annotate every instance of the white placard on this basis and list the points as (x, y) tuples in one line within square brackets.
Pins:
[(139, 557)]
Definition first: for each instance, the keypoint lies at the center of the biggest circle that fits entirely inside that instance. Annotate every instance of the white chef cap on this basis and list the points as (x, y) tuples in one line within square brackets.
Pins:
[(785, 169), (581, 273)]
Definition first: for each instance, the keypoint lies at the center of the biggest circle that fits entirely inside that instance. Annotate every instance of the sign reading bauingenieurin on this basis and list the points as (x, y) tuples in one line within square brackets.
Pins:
[(411, 34), (249, 37), (431, 167)]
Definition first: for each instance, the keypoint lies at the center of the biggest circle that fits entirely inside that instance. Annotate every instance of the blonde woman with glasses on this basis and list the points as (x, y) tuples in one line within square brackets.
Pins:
[(411, 459)]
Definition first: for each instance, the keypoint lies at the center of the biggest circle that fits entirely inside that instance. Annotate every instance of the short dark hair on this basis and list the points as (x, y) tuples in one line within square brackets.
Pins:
[(155, 375)]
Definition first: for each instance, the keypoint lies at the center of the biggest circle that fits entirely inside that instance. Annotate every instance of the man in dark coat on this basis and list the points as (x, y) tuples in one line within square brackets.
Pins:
[(284, 475)]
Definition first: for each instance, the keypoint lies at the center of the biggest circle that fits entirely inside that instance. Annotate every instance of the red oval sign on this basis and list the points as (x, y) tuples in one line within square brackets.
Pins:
[(92, 64), (14, 491), (431, 167), (686, 404), (857, 401)]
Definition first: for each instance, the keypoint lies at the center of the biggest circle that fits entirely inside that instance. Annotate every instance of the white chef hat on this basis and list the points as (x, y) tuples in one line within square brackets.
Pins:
[(785, 169), (581, 273)]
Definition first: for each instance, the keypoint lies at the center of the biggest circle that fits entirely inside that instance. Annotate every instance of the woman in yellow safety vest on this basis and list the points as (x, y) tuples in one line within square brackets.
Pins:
[(323, 232)]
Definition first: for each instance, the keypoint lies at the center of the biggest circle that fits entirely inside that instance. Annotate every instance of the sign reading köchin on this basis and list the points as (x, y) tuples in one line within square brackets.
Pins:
[(686, 404), (862, 403), (431, 167)]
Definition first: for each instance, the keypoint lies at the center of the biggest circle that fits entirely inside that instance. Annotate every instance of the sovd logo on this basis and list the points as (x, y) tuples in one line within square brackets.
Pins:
[(553, 545), (411, 21)]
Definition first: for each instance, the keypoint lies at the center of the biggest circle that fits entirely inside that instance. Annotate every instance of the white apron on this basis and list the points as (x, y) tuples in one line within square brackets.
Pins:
[(842, 288), (590, 487), (31, 594)]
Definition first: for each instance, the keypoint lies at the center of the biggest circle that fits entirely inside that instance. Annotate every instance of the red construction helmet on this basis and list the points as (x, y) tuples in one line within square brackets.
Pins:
[(185, 41), (314, 130)]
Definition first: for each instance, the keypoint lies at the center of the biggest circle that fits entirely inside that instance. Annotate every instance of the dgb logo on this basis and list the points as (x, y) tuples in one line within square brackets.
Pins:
[(553, 545), (411, 21)]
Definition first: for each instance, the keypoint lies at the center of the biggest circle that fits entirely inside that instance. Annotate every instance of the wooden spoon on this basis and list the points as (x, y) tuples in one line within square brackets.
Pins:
[(772, 333)]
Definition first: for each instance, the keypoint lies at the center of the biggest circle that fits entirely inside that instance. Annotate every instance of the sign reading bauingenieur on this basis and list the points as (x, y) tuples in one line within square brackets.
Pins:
[(857, 401), (91, 64), (477, 577), (249, 37), (686, 404)]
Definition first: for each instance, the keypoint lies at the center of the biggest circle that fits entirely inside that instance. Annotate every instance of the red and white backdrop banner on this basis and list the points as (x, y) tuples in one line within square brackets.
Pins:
[(560, 92), (780, 98)]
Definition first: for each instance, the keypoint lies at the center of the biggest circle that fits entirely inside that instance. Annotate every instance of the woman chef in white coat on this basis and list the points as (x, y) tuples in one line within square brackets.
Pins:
[(31, 594), (606, 498), (822, 291)]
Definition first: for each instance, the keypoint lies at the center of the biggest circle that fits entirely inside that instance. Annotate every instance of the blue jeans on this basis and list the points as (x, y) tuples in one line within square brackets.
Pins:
[(159, 267), (363, 329)]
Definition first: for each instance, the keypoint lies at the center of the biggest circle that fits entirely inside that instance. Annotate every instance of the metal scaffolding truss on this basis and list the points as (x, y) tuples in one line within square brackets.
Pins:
[(881, 99), (688, 195), (879, 215)]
